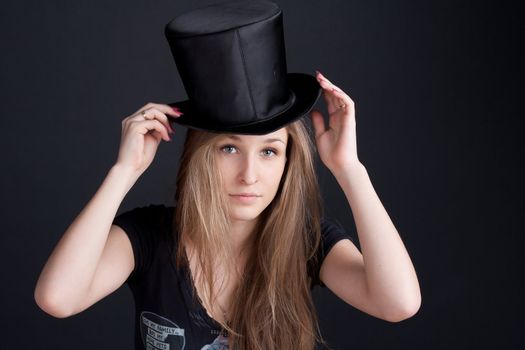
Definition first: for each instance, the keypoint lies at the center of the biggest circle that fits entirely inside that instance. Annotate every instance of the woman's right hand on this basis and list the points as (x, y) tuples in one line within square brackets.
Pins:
[(141, 134)]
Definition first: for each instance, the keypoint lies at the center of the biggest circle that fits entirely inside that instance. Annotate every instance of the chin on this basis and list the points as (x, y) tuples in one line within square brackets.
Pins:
[(244, 214)]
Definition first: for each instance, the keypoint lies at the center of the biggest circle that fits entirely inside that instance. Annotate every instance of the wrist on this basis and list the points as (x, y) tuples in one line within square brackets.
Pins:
[(125, 173), (348, 168)]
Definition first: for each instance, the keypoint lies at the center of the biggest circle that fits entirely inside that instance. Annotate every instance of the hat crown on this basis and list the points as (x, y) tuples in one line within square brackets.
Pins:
[(232, 61), (220, 17)]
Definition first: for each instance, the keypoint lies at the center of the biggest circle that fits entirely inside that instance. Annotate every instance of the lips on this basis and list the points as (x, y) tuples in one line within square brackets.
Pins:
[(245, 198), (245, 194)]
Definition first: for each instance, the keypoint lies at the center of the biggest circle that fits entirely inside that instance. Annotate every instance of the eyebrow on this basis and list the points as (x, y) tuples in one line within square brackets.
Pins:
[(266, 141)]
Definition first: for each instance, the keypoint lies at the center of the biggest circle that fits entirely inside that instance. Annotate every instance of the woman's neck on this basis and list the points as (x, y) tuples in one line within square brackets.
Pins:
[(242, 236)]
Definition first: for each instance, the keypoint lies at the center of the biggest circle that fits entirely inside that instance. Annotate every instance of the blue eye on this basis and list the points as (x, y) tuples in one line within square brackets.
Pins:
[(265, 150), (227, 146), (271, 150)]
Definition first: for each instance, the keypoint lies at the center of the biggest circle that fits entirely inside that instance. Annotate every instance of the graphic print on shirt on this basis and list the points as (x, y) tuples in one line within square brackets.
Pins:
[(160, 333)]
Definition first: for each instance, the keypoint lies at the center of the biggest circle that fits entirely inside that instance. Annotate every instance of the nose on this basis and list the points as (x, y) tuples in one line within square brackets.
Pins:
[(248, 171)]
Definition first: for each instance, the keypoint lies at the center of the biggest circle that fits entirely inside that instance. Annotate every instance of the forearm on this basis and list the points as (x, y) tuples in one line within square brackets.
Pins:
[(71, 266), (390, 275)]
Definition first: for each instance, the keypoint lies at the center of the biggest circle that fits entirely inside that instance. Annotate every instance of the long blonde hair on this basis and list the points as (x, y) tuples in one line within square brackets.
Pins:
[(272, 306)]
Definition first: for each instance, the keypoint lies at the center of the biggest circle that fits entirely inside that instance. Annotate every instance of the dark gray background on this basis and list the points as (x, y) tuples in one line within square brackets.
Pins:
[(436, 86)]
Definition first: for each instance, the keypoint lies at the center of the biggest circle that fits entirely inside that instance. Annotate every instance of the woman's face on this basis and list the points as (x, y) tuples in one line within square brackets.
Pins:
[(254, 165)]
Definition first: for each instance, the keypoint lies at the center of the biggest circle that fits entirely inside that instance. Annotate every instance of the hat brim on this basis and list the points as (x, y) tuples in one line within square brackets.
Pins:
[(305, 87)]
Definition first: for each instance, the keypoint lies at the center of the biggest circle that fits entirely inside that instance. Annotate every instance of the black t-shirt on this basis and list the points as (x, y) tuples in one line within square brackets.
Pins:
[(166, 314)]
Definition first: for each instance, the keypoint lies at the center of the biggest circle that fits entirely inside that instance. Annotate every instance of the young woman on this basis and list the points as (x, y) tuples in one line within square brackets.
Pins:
[(232, 264)]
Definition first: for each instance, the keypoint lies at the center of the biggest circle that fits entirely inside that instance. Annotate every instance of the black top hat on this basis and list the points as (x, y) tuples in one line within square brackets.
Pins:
[(231, 59)]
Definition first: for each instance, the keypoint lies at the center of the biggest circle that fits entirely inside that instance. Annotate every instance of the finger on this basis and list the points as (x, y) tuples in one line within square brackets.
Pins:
[(323, 78), (329, 86), (325, 84), (161, 117), (328, 83), (326, 96), (336, 91), (153, 113), (144, 126), (329, 96), (318, 123), (164, 108), (150, 148), (157, 135), (335, 97), (332, 101), (345, 99), (169, 110), (177, 110)]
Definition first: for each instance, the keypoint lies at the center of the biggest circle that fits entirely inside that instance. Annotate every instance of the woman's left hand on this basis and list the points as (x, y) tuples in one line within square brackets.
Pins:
[(337, 145)]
